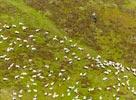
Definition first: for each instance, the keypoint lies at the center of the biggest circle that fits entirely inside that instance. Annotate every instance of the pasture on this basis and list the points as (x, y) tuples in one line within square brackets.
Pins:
[(52, 50)]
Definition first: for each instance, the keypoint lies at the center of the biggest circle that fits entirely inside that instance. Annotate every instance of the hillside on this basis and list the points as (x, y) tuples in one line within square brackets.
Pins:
[(54, 50)]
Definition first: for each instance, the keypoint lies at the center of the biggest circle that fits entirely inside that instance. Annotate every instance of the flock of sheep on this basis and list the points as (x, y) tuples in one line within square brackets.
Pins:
[(17, 39)]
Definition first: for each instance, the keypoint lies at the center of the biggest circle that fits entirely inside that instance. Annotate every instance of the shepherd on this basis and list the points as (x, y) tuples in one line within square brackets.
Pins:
[(94, 17)]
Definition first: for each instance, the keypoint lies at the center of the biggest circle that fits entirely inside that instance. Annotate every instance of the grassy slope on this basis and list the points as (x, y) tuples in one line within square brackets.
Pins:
[(38, 20), (116, 24)]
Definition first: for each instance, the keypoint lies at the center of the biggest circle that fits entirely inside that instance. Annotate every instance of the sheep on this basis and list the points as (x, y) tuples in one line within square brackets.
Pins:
[(31, 36), (62, 95), (17, 32), (55, 38), (6, 59), (20, 95), (37, 30), (108, 88), (14, 26), (29, 90), (32, 80), (100, 98), (17, 76), (21, 91), (68, 78), (17, 66), (68, 94), (105, 78), (5, 79), (84, 97), (7, 27), (45, 93), (47, 66), (28, 86), (46, 85), (52, 83), (66, 50), (81, 49), (55, 95), (46, 32), (25, 41), (35, 90), (24, 27), (35, 84), (9, 49), (117, 98), (33, 49), (91, 89), (14, 93), (85, 67), (18, 39), (49, 94), (20, 23), (62, 41)]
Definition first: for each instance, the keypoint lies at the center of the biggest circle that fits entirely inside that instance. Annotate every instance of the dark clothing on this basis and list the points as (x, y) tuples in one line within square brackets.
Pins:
[(94, 18)]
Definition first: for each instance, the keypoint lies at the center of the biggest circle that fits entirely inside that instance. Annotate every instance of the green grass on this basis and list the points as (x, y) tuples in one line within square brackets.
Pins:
[(26, 13), (100, 38)]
